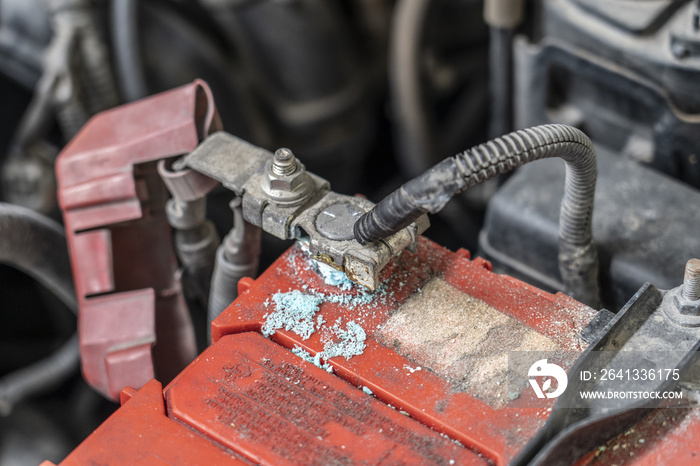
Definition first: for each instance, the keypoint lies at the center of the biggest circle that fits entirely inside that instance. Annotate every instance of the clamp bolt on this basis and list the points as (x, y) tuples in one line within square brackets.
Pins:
[(284, 163), (691, 280)]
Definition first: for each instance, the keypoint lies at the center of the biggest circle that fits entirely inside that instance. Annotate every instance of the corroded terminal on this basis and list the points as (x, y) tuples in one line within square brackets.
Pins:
[(285, 200), (326, 228), (336, 221)]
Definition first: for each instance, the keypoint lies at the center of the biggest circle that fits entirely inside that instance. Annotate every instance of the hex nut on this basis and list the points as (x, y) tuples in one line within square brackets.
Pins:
[(288, 182), (286, 189), (685, 306)]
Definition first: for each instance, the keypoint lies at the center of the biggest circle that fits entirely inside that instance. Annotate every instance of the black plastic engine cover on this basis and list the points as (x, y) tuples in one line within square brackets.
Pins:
[(646, 226), (624, 72)]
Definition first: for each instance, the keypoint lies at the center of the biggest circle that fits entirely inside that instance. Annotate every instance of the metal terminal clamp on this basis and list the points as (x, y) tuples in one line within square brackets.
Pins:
[(328, 225), (281, 197)]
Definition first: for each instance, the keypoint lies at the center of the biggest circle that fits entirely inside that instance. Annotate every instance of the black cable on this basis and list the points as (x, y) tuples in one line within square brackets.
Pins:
[(501, 80), (39, 376), (127, 49), (414, 138), (37, 246), (429, 192)]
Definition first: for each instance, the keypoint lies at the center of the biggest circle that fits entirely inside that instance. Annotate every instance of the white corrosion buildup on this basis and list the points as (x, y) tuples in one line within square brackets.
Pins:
[(350, 342), (294, 311), (334, 277)]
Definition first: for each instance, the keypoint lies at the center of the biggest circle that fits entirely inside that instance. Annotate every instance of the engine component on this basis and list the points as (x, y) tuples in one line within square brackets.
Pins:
[(639, 237), (436, 65), (25, 34), (502, 17), (236, 258), (128, 56), (250, 398), (76, 83), (196, 238), (626, 76)]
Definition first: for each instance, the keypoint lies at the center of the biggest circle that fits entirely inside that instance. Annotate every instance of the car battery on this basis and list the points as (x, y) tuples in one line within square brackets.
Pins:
[(306, 368)]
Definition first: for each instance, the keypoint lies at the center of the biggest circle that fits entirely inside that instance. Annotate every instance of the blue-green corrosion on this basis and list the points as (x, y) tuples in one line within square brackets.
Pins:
[(294, 311), (297, 311), (349, 342)]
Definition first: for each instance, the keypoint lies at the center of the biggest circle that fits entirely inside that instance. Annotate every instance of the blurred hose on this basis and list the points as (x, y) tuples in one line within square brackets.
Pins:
[(127, 50), (37, 246), (502, 17), (408, 109), (501, 78), (236, 257)]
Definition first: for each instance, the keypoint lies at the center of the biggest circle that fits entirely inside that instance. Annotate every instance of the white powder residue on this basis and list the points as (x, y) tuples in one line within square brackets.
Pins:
[(308, 358), (411, 369), (346, 343), (334, 277), (294, 311)]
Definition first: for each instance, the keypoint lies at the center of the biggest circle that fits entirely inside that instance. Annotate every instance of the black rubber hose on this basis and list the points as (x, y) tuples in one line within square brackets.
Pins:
[(39, 376), (501, 79), (429, 192), (127, 49), (37, 246), (414, 138), (99, 79)]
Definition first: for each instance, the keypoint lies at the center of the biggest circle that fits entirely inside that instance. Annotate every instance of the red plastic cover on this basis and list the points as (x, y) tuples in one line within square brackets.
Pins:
[(123, 262), (256, 398)]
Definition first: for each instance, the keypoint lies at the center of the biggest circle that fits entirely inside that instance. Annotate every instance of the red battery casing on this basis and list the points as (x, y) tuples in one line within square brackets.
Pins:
[(405, 399)]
